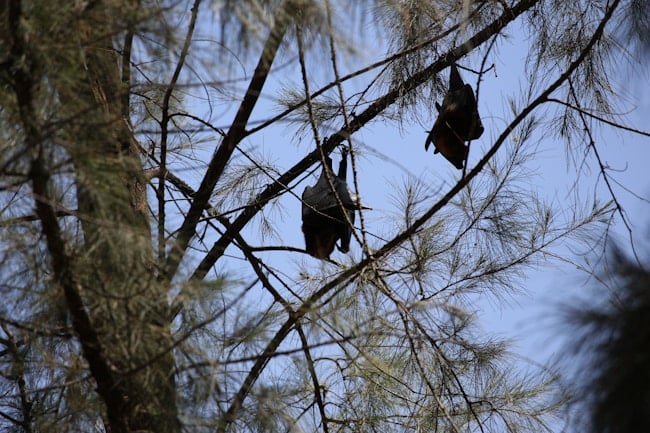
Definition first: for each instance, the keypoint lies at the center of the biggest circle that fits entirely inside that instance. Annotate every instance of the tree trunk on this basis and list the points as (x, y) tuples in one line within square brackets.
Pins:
[(126, 304)]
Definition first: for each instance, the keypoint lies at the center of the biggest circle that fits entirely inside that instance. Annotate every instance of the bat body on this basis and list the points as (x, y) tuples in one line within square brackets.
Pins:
[(458, 121), (324, 220)]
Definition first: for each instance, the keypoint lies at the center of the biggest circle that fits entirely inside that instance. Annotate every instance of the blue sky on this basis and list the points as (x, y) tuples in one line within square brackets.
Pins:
[(550, 284), (390, 153)]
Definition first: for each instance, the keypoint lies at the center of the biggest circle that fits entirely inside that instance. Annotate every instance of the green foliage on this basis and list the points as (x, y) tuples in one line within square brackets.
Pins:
[(148, 268), (614, 332)]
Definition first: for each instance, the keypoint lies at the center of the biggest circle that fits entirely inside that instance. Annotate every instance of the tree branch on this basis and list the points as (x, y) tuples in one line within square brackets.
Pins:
[(229, 142), (603, 170), (361, 71), (587, 113), (314, 376), (352, 272), (108, 388), (355, 124), (18, 375), (164, 122)]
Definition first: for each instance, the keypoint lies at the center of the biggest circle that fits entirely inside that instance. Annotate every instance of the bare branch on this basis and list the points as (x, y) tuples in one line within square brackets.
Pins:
[(164, 124), (603, 172), (352, 272), (356, 123), (229, 142)]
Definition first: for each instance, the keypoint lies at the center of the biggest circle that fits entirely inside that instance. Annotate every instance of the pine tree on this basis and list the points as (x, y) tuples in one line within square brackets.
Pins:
[(614, 330), (153, 157)]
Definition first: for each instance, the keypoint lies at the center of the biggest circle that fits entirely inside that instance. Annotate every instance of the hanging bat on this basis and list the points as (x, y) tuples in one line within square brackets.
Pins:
[(458, 121), (323, 219)]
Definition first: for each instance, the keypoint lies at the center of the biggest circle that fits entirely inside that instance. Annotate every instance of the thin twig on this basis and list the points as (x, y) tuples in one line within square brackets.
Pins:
[(357, 123), (235, 134), (164, 121), (343, 278), (598, 118), (346, 124), (603, 171), (314, 377)]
